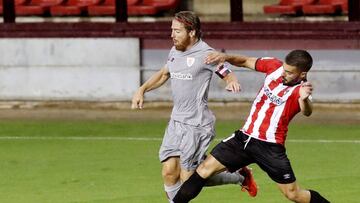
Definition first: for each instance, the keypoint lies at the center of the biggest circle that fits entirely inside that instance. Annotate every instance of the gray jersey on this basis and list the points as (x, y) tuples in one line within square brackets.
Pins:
[(190, 81)]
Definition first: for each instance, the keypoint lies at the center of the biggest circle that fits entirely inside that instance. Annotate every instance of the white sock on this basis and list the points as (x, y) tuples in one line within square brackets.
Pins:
[(225, 178), (172, 190)]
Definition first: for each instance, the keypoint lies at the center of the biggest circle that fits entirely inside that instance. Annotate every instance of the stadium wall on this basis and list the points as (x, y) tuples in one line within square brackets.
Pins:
[(123, 55), (90, 69)]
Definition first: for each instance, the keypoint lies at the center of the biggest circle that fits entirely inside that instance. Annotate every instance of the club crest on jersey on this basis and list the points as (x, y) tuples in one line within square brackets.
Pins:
[(190, 61)]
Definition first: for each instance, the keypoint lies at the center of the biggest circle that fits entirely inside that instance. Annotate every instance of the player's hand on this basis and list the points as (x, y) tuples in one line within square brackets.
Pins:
[(137, 100), (233, 87), (306, 90), (215, 57)]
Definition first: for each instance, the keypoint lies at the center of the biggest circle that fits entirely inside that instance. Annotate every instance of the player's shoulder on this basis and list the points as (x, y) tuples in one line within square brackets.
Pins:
[(206, 47), (172, 50), (270, 60)]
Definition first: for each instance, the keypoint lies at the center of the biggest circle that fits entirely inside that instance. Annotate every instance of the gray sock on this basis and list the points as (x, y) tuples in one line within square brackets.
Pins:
[(225, 178), (172, 190)]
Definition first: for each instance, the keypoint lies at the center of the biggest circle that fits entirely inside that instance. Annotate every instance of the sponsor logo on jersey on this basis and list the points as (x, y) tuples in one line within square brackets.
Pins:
[(272, 97), (181, 76), (190, 61)]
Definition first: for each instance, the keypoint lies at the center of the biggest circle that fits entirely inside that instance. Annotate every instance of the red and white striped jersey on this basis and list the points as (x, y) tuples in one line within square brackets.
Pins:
[(275, 104)]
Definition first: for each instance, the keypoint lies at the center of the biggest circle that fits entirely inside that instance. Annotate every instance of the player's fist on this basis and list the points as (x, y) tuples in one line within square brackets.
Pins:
[(306, 90)]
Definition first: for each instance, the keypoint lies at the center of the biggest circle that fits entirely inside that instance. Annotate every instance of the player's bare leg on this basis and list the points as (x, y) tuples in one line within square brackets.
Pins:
[(209, 167), (293, 192), (171, 176), (185, 174)]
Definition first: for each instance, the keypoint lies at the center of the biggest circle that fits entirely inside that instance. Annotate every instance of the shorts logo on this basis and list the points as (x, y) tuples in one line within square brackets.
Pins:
[(287, 176), (190, 61)]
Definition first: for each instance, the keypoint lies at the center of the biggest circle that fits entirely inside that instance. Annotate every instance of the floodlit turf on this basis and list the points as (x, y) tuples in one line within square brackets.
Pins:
[(79, 169)]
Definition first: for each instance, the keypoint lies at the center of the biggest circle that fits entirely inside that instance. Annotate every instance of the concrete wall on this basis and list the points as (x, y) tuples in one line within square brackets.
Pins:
[(335, 75), (109, 70), (69, 69)]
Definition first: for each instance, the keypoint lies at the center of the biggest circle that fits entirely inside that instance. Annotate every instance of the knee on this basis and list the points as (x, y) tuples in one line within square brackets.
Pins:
[(205, 170), (170, 174), (292, 194)]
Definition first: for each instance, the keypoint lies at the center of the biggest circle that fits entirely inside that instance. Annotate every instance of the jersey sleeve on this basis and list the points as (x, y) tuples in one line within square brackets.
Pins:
[(267, 64), (170, 56)]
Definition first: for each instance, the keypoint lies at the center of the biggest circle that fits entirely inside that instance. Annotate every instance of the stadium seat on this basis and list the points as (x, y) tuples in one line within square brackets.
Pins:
[(324, 7), (162, 4), (73, 7), (37, 7), (345, 7), (152, 7), (17, 4), (134, 8), (293, 7)]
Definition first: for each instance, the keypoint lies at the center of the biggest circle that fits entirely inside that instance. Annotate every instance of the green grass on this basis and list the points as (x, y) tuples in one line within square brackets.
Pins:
[(99, 171)]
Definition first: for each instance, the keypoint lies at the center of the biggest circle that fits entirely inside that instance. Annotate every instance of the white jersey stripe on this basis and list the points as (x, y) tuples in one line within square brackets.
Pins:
[(260, 118)]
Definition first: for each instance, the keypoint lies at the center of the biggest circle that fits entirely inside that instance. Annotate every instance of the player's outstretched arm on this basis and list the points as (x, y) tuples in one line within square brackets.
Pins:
[(304, 99), (236, 60), (155, 81)]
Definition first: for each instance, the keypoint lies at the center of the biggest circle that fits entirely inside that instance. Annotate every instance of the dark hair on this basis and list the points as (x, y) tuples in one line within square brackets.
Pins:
[(300, 59), (190, 21)]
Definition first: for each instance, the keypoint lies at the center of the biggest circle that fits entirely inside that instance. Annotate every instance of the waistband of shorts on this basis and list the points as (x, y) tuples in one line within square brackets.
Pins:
[(240, 133)]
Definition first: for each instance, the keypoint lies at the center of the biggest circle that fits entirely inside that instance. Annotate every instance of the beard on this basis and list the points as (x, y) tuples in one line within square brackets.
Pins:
[(291, 82), (181, 45)]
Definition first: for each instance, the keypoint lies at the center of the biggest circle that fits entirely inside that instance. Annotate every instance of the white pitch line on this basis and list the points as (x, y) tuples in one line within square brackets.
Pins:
[(153, 139)]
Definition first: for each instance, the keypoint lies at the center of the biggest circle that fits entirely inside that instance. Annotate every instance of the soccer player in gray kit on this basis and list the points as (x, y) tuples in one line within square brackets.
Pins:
[(191, 127)]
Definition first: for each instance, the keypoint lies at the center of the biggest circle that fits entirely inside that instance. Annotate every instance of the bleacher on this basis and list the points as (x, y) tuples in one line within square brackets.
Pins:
[(308, 7), (89, 7)]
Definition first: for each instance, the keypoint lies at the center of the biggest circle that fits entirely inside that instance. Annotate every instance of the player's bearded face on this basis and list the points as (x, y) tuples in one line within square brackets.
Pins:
[(180, 36), (291, 75)]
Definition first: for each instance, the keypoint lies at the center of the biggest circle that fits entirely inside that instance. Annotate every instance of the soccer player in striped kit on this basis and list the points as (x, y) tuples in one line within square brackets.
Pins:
[(261, 140), (191, 127)]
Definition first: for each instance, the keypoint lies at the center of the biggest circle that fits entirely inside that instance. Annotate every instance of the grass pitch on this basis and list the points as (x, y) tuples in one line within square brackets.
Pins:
[(99, 161)]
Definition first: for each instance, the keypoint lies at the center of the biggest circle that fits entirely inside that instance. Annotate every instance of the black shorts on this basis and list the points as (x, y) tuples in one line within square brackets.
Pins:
[(240, 150)]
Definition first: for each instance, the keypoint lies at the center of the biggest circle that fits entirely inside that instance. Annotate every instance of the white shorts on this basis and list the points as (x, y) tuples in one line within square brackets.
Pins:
[(188, 142)]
